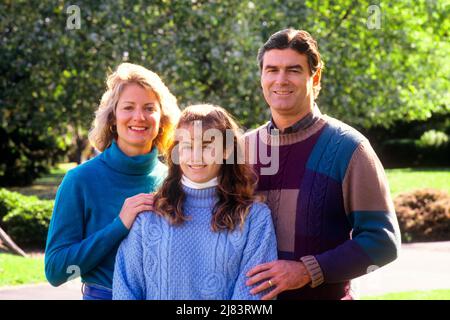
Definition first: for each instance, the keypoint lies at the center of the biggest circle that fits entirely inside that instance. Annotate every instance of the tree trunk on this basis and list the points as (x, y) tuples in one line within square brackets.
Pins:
[(80, 146)]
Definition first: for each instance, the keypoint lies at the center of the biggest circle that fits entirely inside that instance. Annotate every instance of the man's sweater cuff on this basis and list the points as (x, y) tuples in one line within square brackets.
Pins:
[(314, 270)]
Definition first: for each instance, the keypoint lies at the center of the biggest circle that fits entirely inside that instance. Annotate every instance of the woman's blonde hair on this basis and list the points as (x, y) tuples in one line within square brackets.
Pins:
[(101, 135)]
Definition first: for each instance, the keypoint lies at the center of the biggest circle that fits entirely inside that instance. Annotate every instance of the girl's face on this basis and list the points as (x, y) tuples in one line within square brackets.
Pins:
[(198, 157), (138, 115)]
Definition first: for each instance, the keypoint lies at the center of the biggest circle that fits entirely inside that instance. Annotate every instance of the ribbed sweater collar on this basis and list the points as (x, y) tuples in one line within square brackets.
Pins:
[(290, 138), (200, 198), (302, 124), (117, 160)]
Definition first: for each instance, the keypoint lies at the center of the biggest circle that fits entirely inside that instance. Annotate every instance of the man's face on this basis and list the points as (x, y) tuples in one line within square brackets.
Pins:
[(286, 82)]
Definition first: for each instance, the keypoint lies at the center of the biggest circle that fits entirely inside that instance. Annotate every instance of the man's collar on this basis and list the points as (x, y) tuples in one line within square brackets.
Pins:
[(302, 124)]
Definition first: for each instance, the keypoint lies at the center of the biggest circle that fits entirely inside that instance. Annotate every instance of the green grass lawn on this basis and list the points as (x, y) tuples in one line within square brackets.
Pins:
[(414, 295), (15, 270), (408, 179)]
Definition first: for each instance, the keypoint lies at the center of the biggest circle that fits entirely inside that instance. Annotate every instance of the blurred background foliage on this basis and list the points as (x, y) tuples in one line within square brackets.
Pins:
[(386, 67)]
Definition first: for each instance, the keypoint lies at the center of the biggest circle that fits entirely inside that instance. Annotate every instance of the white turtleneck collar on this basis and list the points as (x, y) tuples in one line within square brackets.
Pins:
[(195, 185)]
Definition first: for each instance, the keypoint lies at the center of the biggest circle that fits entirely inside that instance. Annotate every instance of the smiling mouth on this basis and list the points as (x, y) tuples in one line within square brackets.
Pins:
[(196, 166), (282, 92), (138, 128)]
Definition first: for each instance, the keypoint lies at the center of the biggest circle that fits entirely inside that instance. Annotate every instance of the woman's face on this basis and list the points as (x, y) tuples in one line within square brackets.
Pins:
[(199, 158), (138, 116)]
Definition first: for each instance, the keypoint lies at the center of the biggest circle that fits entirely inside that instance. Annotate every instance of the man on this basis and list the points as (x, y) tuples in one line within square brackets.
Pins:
[(330, 200)]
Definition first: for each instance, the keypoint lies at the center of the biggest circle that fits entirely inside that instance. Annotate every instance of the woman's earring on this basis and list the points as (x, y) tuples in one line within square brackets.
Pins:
[(112, 128)]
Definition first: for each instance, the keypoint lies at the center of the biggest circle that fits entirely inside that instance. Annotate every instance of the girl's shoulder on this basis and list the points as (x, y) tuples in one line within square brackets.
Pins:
[(149, 226), (258, 223), (260, 206), (147, 219), (259, 211)]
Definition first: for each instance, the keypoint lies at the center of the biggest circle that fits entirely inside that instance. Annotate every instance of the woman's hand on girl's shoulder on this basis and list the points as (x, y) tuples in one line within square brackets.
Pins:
[(135, 205)]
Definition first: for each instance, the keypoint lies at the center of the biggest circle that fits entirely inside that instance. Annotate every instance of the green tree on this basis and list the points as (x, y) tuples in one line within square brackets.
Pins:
[(52, 77), (376, 75)]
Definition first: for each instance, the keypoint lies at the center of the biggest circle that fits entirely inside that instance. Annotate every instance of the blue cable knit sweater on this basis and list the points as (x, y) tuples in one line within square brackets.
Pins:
[(85, 230), (161, 261)]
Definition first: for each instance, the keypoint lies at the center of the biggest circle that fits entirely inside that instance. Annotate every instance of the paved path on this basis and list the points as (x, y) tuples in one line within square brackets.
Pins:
[(43, 291), (421, 266)]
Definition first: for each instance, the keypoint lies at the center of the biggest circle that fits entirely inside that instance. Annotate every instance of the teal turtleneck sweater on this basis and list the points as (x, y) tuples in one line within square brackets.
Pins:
[(85, 230)]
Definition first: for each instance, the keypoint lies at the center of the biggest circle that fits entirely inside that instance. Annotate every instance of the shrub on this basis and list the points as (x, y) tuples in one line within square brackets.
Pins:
[(398, 153), (433, 148), (25, 218), (26, 155), (424, 215), (432, 139), (8, 201), (430, 150)]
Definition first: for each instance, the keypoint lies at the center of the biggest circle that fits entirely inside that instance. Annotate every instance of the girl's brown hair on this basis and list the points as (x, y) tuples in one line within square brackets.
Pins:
[(237, 181)]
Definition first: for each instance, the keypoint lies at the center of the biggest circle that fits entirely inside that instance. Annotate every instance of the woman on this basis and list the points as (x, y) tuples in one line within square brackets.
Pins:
[(97, 202), (209, 229)]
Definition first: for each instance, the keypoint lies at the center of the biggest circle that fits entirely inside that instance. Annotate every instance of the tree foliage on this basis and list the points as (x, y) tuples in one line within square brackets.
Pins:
[(52, 77)]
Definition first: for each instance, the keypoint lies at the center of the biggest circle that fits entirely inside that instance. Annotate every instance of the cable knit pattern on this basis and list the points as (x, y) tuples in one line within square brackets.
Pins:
[(161, 261), (333, 210), (320, 188)]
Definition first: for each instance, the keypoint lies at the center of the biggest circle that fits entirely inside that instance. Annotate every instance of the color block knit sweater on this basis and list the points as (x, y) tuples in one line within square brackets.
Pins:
[(85, 230), (330, 203), (161, 261)]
